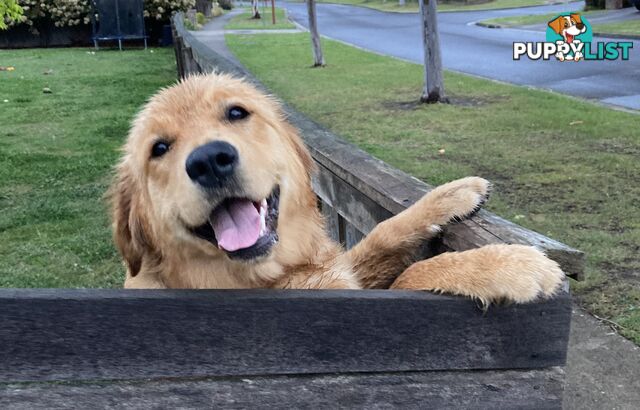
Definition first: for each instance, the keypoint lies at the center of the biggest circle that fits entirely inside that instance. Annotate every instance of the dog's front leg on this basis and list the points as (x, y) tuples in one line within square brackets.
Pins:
[(392, 245), (144, 281), (515, 273)]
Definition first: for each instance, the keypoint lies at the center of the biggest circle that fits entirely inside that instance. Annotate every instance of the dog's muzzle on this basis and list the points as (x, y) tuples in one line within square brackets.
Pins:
[(242, 228)]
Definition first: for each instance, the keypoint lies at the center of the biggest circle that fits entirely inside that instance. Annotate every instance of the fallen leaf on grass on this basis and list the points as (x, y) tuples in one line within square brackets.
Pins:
[(441, 151), (576, 122), (46, 90), (9, 68)]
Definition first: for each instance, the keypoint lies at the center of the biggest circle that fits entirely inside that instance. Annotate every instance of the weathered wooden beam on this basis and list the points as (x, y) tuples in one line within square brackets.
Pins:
[(394, 191), (512, 389), (63, 334)]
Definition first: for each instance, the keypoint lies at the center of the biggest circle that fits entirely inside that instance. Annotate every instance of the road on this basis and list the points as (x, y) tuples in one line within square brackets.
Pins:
[(481, 51)]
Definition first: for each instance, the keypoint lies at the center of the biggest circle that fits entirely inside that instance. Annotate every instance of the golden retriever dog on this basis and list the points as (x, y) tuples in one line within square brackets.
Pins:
[(214, 191)]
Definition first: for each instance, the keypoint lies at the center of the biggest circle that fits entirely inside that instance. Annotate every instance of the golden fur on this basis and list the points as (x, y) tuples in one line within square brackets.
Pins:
[(154, 201)]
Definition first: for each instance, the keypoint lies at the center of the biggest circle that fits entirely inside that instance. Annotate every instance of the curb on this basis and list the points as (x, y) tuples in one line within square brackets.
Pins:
[(555, 3), (595, 33), (490, 25), (618, 36)]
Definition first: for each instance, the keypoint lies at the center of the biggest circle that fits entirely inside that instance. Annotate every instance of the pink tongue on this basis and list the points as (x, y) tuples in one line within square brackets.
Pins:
[(236, 225)]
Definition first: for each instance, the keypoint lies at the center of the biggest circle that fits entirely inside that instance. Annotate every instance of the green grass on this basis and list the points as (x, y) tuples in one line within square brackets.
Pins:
[(620, 28), (515, 21), (56, 154), (245, 22), (412, 6), (562, 167)]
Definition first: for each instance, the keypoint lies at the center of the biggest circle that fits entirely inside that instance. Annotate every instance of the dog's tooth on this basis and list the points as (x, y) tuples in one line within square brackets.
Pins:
[(263, 220)]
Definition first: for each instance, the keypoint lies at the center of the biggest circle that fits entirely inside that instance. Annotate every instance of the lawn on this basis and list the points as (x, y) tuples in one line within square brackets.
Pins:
[(412, 6), (245, 22), (516, 21), (56, 155), (620, 28), (562, 167)]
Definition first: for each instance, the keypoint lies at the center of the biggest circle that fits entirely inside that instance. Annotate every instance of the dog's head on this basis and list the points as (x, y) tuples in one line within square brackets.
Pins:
[(568, 26), (211, 167)]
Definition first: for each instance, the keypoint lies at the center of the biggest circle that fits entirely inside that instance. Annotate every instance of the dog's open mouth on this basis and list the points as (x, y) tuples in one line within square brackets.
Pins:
[(242, 228)]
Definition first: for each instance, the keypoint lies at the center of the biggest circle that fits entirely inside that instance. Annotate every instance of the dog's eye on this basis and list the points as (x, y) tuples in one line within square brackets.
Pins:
[(159, 149), (237, 113)]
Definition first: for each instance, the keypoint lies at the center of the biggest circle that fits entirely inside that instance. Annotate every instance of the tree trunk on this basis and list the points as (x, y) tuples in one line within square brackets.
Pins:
[(318, 58), (433, 86), (273, 12), (255, 12), (204, 7)]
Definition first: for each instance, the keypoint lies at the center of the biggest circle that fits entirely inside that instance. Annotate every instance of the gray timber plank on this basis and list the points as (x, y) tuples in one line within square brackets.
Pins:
[(63, 334), (535, 389)]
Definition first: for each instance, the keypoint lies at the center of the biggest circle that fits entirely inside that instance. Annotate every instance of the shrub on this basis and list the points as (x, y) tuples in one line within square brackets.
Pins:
[(74, 12), (216, 10), (10, 11), (594, 4), (200, 18), (225, 4), (60, 12), (162, 9), (189, 25)]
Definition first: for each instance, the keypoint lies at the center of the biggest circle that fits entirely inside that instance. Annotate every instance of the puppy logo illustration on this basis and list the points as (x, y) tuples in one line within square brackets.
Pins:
[(569, 30), (569, 38)]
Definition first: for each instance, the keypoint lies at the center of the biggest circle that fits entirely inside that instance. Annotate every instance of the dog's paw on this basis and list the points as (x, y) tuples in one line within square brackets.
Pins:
[(578, 56), (525, 275), (490, 274), (458, 199), (560, 56)]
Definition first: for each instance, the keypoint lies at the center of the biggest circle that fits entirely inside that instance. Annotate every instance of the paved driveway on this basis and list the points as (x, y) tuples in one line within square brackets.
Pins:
[(482, 51)]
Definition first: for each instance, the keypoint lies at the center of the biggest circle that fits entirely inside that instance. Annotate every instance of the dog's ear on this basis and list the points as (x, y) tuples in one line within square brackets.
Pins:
[(130, 230), (576, 17), (291, 133), (557, 24)]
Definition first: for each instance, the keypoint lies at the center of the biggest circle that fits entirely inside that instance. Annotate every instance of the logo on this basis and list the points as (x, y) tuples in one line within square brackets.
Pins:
[(570, 38)]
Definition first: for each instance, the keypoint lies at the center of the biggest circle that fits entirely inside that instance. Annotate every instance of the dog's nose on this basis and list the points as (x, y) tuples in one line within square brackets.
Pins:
[(579, 26), (210, 164)]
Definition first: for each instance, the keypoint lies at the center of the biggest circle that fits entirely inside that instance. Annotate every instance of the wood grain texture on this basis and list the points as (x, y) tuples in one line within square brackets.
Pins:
[(130, 334), (360, 211), (535, 389)]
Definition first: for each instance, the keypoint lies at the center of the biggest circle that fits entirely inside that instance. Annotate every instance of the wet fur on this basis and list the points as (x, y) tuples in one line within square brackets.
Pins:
[(153, 200)]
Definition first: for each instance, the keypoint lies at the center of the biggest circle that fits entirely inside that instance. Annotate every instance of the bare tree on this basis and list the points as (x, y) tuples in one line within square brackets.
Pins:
[(318, 58), (204, 7), (255, 12), (433, 90)]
